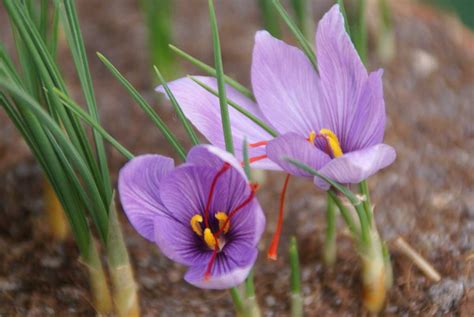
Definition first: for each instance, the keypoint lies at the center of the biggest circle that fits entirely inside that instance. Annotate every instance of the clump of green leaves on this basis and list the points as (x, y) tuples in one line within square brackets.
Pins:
[(76, 167)]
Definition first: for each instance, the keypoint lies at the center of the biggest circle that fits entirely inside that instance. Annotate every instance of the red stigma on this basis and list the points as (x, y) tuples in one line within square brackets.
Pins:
[(257, 144), (207, 275), (273, 250), (253, 188), (211, 192), (257, 158)]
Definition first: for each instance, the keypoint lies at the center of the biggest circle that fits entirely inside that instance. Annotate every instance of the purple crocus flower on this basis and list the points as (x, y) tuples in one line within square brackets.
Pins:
[(332, 120), (202, 214)]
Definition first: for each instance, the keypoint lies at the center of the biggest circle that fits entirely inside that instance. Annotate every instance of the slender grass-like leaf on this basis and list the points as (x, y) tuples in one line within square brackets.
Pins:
[(305, 45), (155, 118), (68, 102), (99, 214), (304, 16), (360, 36), (53, 37), (158, 16), (240, 109), (355, 201), (268, 15), (76, 45), (350, 195), (212, 72), (229, 142), (43, 18), (184, 121), (38, 141), (50, 77)]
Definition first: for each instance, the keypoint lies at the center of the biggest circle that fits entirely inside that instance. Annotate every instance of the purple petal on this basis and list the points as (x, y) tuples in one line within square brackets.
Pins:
[(186, 190), (343, 77), (178, 242), (354, 167), (247, 224), (212, 156), (368, 124), (291, 145), (139, 189), (230, 269), (286, 85), (203, 110)]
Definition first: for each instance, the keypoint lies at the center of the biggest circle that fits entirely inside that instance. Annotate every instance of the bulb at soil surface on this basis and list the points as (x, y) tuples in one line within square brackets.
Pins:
[(125, 291), (100, 291), (98, 282), (375, 281)]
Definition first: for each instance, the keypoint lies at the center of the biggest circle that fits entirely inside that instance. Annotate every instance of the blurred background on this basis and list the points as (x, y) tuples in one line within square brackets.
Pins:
[(427, 196)]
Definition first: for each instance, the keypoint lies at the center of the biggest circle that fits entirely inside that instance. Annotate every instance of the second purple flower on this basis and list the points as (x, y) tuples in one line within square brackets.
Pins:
[(202, 214)]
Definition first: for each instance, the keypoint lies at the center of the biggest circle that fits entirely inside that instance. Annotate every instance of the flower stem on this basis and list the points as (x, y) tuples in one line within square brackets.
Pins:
[(364, 190), (365, 238), (238, 304), (58, 226), (252, 309), (330, 247), (346, 215), (296, 299)]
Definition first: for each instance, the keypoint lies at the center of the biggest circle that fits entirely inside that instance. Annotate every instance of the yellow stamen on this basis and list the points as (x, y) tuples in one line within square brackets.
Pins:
[(209, 238), (222, 217), (312, 137), (196, 224), (333, 142)]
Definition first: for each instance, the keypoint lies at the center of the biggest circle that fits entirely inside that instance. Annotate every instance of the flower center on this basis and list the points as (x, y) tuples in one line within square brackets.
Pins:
[(201, 225), (332, 142), (211, 239)]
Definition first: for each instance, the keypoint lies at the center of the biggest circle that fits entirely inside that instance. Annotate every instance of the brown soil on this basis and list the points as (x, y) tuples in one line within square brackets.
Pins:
[(426, 196)]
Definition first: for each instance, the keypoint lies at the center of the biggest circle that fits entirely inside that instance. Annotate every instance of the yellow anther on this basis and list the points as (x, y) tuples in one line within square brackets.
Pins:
[(196, 224), (333, 142), (222, 218), (312, 137), (210, 239)]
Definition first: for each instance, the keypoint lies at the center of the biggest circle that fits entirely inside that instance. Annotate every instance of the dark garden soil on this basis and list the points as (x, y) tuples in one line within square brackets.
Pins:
[(427, 196)]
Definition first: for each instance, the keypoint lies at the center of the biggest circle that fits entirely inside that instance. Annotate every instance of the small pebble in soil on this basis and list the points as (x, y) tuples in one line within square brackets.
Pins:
[(270, 301), (306, 274), (446, 294), (308, 300), (424, 63), (51, 262), (174, 276), (8, 286)]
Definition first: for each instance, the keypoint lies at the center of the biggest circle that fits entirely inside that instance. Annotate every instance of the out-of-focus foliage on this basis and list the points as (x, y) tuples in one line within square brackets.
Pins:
[(463, 8)]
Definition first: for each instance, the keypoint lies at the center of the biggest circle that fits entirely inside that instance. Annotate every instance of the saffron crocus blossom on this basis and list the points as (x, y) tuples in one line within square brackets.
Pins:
[(202, 214), (333, 120)]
